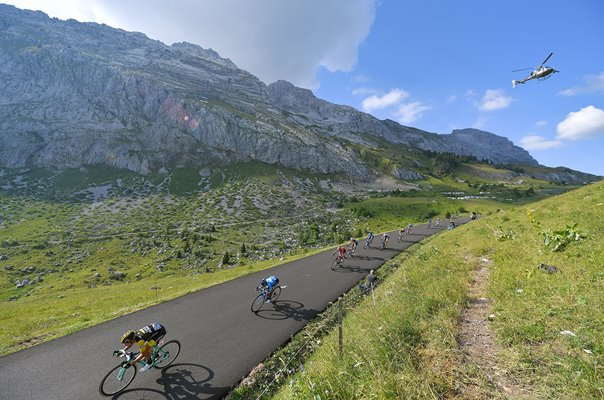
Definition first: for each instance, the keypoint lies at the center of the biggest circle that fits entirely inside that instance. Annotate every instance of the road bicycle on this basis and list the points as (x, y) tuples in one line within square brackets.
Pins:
[(123, 374), (383, 244), (400, 236), (337, 262), (262, 298), (351, 250), (367, 243)]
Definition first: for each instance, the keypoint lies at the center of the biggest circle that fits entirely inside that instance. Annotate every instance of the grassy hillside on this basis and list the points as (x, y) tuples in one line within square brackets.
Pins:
[(69, 237), (548, 324)]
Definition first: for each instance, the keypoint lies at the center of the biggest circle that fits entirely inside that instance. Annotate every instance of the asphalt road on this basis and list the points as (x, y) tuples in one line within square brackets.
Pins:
[(222, 340)]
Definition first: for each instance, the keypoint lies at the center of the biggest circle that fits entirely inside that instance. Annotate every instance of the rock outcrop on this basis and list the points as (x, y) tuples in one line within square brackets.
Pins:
[(75, 94)]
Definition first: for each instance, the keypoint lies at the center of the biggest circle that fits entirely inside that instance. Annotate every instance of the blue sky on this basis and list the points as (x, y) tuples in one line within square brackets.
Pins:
[(436, 65)]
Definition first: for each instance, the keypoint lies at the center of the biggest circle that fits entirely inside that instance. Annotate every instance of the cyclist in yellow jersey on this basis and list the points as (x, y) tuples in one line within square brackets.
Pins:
[(145, 338)]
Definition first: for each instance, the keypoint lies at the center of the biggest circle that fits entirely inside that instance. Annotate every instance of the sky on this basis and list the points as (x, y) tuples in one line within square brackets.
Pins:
[(436, 65)]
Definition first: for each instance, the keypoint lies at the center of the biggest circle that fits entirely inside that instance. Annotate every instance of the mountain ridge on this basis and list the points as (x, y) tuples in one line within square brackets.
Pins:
[(79, 94)]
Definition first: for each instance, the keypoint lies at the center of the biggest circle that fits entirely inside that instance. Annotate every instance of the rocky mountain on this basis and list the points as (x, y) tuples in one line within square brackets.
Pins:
[(74, 94)]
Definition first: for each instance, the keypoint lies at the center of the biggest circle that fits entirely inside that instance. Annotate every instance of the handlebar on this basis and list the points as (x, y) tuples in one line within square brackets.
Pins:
[(122, 353)]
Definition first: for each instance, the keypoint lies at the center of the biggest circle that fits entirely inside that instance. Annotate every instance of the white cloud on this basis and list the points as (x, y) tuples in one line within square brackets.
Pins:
[(272, 39), (583, 124), (410, 112), (494, 99), (89, 11), (364, 91), (593, 84), (375, 102), (539, 124), (535, 142)]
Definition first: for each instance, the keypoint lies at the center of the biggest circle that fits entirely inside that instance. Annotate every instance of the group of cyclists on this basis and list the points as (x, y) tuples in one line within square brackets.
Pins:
[(342, 251), (150, 335)]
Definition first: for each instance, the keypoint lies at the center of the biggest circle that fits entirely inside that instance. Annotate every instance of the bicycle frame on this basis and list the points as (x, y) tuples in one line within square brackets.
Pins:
[(122, 375), (263, 291)]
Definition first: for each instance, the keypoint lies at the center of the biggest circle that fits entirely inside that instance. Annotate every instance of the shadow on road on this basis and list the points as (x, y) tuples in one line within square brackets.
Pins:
[(350, 269), (389, 249), (367, 258), (288, 309), (180, 381)]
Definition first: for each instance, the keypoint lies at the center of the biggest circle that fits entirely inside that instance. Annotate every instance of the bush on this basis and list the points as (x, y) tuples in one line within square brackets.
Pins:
[(558, 240)]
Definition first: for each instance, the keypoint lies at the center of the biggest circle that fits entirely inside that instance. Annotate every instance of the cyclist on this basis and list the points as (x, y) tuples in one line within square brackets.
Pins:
[(353, 245), (385, 238), (369, 239), (341, 250), (145, 338), (401, 233), (409, 228), (429, 222), (269, 284), (437, 222), (473, 216)]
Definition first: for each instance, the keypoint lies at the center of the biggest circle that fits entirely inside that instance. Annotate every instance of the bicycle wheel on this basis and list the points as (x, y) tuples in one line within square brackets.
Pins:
[(276, 293), (117, 380), (166, 354), (258, 303), (336, 264)]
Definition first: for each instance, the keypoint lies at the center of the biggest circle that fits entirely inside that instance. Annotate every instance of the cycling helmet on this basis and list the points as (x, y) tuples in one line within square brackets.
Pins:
[(128, 336)]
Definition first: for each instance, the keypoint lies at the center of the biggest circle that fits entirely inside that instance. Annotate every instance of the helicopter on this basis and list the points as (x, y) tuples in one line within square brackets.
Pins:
[(541, 72)]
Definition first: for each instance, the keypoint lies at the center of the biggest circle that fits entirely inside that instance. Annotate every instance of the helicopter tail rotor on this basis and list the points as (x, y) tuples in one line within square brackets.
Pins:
[(516, 83)]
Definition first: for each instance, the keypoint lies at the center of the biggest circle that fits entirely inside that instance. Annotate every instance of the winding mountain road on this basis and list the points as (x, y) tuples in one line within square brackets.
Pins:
[(222, 340)]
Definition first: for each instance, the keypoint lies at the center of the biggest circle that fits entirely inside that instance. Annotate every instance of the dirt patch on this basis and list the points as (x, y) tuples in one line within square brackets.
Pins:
[(477, 343)]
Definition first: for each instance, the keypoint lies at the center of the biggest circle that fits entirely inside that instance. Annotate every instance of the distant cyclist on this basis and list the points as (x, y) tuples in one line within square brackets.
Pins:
[(341, 251), (369, 239), (385, 238), (353, 245), (269, 285), (437, 223), (429, 222), (146, 338), (409, 228), (401, 233)]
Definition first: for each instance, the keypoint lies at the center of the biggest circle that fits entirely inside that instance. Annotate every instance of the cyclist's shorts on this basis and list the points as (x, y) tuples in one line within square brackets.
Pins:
[(152, 338)]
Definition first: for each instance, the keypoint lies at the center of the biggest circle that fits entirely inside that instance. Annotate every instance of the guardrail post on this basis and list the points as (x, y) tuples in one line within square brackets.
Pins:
[(340, 331)]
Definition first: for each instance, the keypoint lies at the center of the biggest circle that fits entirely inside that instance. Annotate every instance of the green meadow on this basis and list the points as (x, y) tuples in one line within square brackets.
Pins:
[(71, 259), (548, 326)]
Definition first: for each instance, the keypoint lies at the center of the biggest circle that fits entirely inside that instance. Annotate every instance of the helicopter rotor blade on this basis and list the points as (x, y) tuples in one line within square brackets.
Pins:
[(523, 69), (550, 54)]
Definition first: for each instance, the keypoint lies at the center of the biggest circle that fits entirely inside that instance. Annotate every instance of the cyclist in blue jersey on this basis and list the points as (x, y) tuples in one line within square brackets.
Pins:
[(369, 239), (269, 284)]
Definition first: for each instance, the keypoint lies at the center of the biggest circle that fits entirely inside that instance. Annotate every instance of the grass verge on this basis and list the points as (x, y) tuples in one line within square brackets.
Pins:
[(548, 326)]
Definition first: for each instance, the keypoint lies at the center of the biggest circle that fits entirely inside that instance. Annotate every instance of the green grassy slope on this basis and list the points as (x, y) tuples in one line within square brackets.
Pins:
[(405, 346), (68, 233)]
